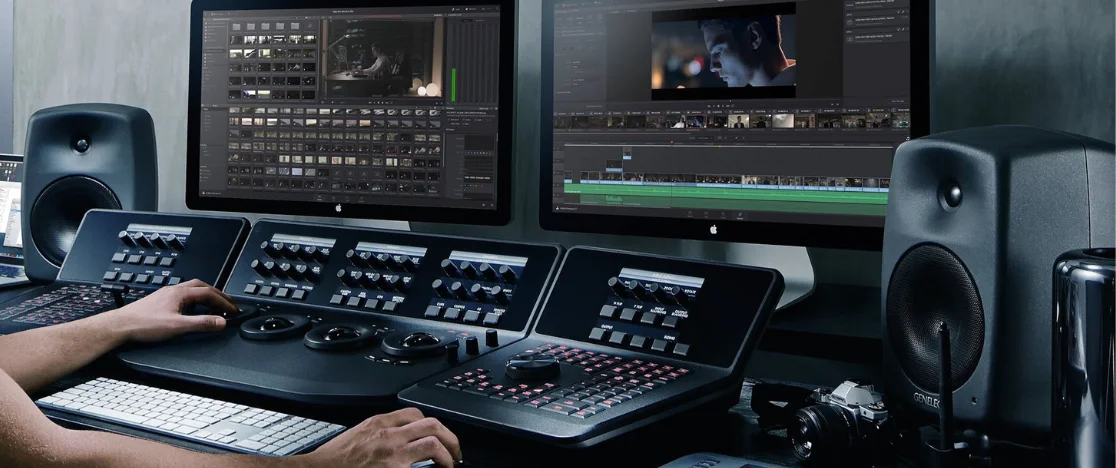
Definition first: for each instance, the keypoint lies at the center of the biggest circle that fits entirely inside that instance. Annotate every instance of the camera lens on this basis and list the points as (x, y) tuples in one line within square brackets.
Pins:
[(822, 435)]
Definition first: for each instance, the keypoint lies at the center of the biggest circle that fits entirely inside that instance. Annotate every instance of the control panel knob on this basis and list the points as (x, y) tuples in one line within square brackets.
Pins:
[(299, 272), (158, 241), (355, 258), (378, 260), (282, 269), (385, 282), (313, 274), (637, 289), (409, 264), (390, 261), (468, 270), (175, 242), (261, 268), (478, 292), (619, 287), (278, 248), (459, 290), (440, 288), (451, 352), (491, 338), (355, 277), (292, 251), (449, 267), (370, 280), (472, 346), (535, 366), (499, 295), (508, 274), (269, 249), (399, 284), (126, 239), (345, 278), (678, 296), (309, 253), (141, 239), (487, 272), (651, 292)]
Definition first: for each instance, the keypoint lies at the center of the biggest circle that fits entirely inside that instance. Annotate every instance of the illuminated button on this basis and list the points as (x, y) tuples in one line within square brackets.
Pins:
[(251, 289)]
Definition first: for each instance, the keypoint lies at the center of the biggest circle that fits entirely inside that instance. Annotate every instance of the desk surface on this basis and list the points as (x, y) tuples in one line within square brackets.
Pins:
[(731, 433)]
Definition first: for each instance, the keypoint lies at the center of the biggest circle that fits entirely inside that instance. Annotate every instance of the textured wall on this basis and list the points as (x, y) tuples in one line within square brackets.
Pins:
[(7, 10), (998, 61)]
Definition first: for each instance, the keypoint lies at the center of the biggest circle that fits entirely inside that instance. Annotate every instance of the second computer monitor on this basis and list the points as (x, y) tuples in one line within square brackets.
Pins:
[(749, 121), (401, 110)]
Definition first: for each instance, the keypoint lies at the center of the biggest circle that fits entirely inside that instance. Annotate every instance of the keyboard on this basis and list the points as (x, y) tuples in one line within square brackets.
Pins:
[(712, 460), (10, 271), (216, 423), (64, 304)]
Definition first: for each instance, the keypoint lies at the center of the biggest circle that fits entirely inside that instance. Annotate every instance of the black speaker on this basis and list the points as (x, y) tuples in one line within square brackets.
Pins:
[(975, 219), (80, 157)]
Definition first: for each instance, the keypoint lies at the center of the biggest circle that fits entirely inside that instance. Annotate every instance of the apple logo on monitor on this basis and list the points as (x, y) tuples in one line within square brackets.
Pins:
[(337, 208), (713, 229)]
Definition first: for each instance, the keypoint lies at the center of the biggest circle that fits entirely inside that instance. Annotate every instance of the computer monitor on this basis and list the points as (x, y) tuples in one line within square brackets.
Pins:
[(397, 109), (743, 121), (11, 193)]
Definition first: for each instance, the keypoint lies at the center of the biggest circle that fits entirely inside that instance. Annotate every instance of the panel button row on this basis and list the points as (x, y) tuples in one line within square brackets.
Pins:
[(360, 302), (150, 260), (647, 318), (281, 293), (636, 341), (470, 316), (142, 278)]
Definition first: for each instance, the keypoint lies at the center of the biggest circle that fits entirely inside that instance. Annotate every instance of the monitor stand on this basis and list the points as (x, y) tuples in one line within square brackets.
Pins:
[(793, 262)]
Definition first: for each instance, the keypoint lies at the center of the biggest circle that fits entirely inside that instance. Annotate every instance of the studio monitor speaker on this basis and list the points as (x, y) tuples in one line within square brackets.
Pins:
[(975, 220), (80, 157)]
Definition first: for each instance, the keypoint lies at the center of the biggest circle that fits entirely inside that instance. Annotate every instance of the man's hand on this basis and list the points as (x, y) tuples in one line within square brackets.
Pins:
[(393, 440), (158, 316)]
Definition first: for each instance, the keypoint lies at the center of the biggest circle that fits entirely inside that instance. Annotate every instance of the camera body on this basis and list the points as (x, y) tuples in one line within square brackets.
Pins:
[(849, 426)]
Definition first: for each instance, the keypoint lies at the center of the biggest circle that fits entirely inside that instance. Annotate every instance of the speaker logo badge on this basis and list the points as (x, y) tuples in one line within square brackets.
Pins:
[(337, 208), (713, 229), (927, 400)]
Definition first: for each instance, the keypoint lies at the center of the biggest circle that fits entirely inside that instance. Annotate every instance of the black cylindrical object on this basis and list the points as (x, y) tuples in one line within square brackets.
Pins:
[(1083, 358)]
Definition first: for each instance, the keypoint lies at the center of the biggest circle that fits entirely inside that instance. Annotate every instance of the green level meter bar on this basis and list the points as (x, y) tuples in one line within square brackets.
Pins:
[(810, 196), (453, 85)]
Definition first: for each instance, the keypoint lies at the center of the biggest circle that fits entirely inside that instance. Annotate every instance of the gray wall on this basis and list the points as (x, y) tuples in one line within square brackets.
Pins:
[(998, 61), (7, 15)]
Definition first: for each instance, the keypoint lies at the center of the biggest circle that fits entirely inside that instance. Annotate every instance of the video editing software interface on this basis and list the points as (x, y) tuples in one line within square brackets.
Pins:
[(11, 238), (738, 110), (371, 105)]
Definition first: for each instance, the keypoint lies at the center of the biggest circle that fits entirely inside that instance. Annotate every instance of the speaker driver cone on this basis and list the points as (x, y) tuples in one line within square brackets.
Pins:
[(57, 213), (931, 285)]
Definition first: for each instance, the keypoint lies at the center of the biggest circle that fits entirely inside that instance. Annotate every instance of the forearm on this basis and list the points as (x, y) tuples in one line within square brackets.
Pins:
[(35, 358), (89, 449)]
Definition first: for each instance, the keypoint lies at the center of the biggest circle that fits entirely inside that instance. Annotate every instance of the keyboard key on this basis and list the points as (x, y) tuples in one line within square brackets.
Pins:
[(453, 314), (608, 311), (433, 312), (299, 295), (491, 319), (336, 299), (649, 318), (166, 262), (174, 280), (638, 342), (143, 278), (109, 276), (670, 322), (112, 414), (659, 345), (681, 349), (597, 334), (390, 306), (134, 259), (249, 444), (150, 260), (472, 316), (558, 408), (119, 258), (628, 314), (266, 291), (251, 289), (158, 280), (617, 338)]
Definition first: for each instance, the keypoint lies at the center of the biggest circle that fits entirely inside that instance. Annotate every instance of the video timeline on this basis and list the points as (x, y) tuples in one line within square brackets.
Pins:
[(778, 182), (736, 121)]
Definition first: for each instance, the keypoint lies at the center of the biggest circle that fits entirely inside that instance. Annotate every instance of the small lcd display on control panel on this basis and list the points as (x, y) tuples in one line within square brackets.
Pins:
[(475, 287)]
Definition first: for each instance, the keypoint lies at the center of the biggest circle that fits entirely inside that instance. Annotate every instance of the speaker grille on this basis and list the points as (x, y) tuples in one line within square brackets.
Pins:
[(931, 285), (57, 213)]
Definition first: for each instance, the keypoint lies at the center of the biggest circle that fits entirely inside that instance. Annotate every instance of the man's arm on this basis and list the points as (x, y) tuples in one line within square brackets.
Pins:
[(35, 358)]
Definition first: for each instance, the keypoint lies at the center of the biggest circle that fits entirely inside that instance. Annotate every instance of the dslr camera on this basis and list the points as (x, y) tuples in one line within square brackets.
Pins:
[(848, 426)]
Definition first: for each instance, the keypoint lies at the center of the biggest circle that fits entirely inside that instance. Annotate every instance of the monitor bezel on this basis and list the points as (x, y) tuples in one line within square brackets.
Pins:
[(796, 234), (505, 141)]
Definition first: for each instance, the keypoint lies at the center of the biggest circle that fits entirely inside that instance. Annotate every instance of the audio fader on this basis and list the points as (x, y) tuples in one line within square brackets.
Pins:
[(623, 340), (351, 316)]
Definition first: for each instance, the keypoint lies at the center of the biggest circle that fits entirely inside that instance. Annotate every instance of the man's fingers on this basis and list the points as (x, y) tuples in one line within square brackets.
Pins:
[(399, 418), (427, 427), (193, 283), (201, 323), (208, 296), (429, 448)]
